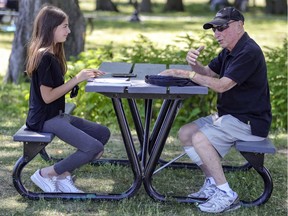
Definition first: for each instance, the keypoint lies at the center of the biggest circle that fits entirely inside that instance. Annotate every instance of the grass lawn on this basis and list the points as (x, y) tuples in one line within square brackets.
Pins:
[(116, 179), (268, 31)]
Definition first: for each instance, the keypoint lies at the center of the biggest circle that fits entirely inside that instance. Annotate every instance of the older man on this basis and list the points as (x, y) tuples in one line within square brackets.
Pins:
[(239, 75)]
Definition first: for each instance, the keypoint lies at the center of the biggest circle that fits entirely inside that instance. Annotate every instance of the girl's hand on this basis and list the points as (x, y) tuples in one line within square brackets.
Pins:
[(86, 74)]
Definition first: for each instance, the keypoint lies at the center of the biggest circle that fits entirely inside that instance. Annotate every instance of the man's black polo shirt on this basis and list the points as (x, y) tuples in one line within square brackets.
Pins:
[(249, 100)]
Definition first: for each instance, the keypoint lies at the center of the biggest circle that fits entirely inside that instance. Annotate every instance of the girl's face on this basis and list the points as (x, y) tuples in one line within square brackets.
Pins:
[(61, 32)]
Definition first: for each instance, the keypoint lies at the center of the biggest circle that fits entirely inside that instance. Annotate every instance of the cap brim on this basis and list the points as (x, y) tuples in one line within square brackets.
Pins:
[(215, 22)]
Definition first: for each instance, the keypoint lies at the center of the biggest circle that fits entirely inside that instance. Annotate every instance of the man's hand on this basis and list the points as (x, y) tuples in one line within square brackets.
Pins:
[(175, 73), (192, 55)]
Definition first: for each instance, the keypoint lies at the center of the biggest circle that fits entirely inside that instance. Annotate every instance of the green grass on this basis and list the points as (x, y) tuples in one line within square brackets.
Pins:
[(116, 179)]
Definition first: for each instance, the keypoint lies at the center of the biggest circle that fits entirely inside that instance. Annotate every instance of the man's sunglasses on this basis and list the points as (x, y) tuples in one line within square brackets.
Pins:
[(222, 27)]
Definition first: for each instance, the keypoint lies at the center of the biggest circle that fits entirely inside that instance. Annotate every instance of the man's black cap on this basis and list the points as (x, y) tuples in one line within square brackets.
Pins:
[(223, 16)]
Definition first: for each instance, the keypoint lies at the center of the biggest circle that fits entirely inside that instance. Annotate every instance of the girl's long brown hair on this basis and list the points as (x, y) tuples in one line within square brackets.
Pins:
[(42, 40)]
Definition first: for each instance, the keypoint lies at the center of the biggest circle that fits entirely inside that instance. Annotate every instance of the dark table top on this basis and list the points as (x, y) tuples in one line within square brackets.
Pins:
[(135, 87)]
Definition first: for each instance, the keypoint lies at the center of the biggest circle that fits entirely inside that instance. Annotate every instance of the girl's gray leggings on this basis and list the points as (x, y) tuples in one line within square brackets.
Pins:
[(87, 137)]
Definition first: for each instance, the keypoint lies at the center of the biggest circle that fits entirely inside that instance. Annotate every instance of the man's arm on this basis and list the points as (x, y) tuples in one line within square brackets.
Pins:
[(218, 85), (204, 70), (211, 80)]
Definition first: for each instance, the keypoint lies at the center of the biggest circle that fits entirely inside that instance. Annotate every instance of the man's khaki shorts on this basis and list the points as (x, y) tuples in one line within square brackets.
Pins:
[(223, 131)]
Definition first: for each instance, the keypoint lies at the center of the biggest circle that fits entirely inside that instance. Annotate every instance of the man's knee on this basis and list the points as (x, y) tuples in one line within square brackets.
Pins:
[(200, 140), (186, 132)]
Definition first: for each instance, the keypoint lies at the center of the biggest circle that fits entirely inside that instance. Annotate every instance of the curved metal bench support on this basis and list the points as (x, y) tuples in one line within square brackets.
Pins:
[(257, 160), (34, 143), (26, 158), (253, 152)]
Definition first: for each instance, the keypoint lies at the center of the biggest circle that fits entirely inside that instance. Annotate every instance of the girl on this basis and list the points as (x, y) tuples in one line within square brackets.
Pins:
[(46, 65)]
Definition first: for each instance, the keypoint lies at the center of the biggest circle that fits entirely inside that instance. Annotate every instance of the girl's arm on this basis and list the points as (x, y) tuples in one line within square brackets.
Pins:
[(50, 94)]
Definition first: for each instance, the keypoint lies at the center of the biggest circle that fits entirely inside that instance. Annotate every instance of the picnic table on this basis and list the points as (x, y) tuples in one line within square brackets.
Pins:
[(152, 142), (135, 88)]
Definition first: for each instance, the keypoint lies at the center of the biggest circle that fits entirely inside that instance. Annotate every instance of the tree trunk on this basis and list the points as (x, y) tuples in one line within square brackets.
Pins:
[(174, 5), (276, 7), (146, 6), (105, 5), (27, 12)]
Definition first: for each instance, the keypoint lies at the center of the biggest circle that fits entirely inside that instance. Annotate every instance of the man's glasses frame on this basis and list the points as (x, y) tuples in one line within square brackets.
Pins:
[(222, 27)]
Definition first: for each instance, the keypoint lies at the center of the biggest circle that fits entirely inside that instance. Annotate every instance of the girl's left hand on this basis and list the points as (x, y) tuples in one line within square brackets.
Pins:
[(98, 73), (86, 74)]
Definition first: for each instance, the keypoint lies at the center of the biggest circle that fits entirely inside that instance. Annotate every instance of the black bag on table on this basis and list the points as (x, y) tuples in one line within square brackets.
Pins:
[(161, 80)]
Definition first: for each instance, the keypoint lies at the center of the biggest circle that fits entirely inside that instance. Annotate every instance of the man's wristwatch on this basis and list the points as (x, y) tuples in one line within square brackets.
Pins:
[(191, 75)]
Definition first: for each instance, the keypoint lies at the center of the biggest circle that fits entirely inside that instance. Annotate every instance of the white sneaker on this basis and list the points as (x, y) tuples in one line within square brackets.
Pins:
[(220, 202), (66, 185), (205, 192), (46, 184)]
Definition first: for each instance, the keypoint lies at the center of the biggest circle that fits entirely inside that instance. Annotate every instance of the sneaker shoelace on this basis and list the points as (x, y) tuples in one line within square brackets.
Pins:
[(206, 189), (220, 200), (53, 183), (69, 180)]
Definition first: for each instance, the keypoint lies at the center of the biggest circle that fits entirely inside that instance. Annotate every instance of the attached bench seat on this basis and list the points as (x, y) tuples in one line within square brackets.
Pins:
[(265, 146), (253, 152), (25, 135), (33, 143)]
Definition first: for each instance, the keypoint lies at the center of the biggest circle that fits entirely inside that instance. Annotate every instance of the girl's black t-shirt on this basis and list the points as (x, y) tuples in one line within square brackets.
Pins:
[(48, 73)]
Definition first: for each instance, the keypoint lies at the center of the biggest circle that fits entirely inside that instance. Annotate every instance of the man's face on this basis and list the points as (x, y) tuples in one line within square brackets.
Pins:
[(228, 36)]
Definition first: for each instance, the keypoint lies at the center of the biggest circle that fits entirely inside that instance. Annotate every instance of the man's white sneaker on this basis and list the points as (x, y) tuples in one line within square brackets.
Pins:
[(46, 184), (66, 185), (205, 192), (220, 202)]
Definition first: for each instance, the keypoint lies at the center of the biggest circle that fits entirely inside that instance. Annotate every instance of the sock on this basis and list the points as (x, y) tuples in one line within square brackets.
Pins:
[(225, 187)]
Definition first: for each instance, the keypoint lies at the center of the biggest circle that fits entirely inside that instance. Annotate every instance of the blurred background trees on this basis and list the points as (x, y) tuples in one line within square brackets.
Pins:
[(272, 6), (28, 10)]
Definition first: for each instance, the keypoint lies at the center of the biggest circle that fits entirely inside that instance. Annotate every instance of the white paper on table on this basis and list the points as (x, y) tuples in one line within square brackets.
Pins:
[(112, 81), (139, 83)]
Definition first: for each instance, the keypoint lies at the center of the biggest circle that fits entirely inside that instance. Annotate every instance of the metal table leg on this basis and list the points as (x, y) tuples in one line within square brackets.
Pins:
[(155, 155)]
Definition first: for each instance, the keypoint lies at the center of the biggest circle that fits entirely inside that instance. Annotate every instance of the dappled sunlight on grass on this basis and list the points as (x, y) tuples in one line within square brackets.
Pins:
[(96, 185), (161, 29), (12, 204)]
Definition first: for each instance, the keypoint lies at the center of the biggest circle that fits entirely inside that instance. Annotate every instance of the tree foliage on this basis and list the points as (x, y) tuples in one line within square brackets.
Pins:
[(98, 108), (142, 50)]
